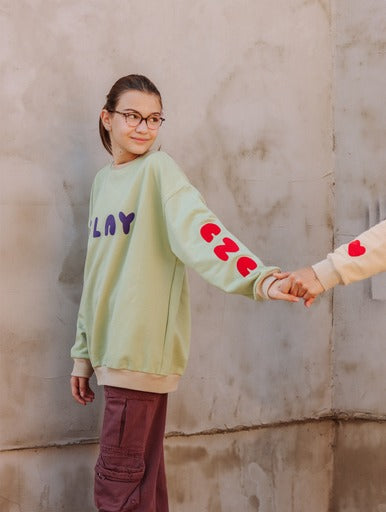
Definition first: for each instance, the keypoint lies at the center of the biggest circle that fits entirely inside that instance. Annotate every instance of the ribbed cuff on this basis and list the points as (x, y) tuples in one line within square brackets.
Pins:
[(263, 289), (82, 368), (327, 274)]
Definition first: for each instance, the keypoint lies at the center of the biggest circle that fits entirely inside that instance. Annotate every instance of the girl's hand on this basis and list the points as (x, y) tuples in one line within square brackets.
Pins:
[(281, 288), (81, 390), (305, 284)]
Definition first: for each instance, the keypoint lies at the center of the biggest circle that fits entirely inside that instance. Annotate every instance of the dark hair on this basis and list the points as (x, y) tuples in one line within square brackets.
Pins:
[(126, 83)]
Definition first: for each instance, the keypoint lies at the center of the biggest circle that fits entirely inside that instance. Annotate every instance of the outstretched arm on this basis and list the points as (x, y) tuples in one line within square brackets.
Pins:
[(356, 260), (359, 259), (199, 239)]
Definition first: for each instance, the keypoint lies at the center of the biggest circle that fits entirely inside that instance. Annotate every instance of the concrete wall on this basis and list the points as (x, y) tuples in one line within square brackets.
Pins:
[(249, 92), (359, 311), (360, 134)]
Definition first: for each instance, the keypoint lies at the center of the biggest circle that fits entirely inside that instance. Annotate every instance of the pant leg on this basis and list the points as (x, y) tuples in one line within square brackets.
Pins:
[(155, 457), (161, 491), (129, 473)]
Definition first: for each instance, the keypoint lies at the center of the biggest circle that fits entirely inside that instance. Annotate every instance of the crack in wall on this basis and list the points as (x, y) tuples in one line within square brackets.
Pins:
[(337, 417), (57, 444)]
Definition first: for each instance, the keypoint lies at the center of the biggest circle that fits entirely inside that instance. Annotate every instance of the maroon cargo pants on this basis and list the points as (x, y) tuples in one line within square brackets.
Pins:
[(130, 470)]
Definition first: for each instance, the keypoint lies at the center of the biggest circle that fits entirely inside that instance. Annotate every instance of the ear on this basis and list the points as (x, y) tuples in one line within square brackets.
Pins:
[(106, 119)]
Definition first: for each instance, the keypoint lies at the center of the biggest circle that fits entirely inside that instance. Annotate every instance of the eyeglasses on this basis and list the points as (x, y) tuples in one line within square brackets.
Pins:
[(134, 118)]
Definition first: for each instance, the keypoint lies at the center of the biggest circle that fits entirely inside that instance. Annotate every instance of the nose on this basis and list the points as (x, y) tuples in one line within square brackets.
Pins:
[(142, 127)]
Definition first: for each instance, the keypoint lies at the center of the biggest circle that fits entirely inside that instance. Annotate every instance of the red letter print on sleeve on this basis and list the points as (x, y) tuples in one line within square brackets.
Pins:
[(209, 231), (356, 249), (244, 264), (222, 250)]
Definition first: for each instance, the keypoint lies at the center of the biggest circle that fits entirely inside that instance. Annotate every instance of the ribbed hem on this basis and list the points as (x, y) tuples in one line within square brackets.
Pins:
[(82, 368), (138, 381), (327, 274)]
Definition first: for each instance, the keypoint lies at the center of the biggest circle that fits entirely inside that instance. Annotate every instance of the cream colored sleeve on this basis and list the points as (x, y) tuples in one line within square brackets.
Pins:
[(361, 258)]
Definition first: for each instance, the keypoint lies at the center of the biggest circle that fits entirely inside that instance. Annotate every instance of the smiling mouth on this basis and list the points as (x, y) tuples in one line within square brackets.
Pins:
[(140, 140)]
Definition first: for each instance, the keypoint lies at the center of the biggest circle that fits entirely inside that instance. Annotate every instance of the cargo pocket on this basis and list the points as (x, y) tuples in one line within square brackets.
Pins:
[(117, 482)]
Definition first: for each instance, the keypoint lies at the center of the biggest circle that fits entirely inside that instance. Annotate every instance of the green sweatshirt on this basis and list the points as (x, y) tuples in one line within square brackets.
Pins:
[(146, 223)]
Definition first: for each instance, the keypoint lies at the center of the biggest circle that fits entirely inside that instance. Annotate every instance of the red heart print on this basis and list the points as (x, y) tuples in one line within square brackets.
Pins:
[(356, 249)]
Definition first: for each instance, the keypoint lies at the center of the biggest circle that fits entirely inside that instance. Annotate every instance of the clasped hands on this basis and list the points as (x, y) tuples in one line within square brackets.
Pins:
[(292, 286)]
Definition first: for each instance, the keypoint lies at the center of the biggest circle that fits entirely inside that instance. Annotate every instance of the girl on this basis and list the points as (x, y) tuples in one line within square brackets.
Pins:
[(146, 222)]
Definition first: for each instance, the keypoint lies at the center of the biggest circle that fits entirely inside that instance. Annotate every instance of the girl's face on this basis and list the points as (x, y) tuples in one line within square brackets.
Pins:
[(128, 142)]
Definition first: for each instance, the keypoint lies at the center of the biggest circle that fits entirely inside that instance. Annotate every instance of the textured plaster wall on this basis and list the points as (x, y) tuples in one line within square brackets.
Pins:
[(248, 91), (272, 469), (359, 467), (360, 134), (359, 311), (249, 119)]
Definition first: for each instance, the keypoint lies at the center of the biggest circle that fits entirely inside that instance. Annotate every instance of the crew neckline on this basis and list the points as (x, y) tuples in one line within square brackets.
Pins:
[(119, 167)]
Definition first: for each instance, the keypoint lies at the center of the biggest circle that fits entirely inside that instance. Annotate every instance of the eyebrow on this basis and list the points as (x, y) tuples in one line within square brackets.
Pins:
[(127, 110)]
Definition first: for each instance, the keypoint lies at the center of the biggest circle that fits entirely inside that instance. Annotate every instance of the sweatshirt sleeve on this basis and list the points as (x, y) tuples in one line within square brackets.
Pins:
[(361, 258), (200, 240), (79, 351), (80, 348)]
